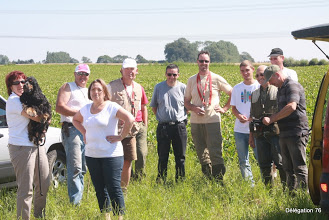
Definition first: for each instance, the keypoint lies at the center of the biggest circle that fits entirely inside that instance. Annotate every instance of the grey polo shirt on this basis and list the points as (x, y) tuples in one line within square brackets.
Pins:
[(169, 102)]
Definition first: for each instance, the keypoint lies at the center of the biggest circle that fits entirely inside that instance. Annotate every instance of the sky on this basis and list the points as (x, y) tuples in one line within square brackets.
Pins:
[(94, 28)]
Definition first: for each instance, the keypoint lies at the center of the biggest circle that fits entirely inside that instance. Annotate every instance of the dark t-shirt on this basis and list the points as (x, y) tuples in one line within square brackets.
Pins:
[(296, 123)]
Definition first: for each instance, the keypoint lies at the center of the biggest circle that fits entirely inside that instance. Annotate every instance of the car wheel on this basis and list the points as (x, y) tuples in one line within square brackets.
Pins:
[(57, 166)]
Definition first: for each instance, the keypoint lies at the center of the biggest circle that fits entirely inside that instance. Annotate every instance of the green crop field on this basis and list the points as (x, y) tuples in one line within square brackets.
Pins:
[(196, 197)]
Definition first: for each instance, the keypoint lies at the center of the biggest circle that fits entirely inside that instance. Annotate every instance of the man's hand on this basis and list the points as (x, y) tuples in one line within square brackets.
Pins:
[(266, 121), (219, 109), (243, 118), (251, 141), (199, 111)]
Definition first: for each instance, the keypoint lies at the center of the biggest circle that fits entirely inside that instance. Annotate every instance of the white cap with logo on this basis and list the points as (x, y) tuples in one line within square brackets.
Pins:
[(129, 63)]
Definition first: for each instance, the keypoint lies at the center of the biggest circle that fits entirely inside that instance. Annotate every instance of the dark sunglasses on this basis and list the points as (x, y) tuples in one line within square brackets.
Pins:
[(172, 74), (261, 74), (82, 74), (204, 61), (18, 82)]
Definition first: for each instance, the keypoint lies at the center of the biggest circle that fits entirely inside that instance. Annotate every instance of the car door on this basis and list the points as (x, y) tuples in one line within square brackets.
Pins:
[(316, 148), (7, 173)]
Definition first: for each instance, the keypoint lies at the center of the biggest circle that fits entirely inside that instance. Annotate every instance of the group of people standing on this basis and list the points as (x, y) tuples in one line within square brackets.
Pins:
[(105, 127)]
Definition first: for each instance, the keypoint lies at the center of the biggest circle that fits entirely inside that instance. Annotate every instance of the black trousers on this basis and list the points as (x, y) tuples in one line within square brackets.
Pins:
[(177, 136)]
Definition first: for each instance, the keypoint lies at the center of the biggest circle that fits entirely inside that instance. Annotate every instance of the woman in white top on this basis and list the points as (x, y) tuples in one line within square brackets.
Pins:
[(98, 122), (24, 154)]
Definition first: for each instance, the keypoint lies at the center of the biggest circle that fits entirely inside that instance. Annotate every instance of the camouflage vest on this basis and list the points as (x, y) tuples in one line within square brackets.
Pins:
[(264, 103), (120, 96)]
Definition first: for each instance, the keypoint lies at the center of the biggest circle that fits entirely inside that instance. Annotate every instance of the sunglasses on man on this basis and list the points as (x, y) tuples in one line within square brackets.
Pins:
[(204, 61), (82, 74), (18, 82), (171, 74), (261, 74)]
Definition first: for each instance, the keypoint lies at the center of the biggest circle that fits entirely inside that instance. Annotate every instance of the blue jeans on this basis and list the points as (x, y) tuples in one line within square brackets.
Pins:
[(242, 146), (75, 163), (106, 177)]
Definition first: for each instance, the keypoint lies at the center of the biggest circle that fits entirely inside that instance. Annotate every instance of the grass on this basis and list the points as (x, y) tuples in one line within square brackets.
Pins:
[(196, 197)]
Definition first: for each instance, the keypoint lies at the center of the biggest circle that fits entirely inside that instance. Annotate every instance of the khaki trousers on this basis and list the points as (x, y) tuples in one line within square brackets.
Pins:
[(207, 139), (25, 162)]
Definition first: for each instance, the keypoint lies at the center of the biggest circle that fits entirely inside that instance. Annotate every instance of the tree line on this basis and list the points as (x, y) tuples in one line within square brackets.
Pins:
[(180, 50)]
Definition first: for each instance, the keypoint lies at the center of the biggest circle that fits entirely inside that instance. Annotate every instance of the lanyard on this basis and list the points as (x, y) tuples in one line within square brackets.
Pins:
[(202, 96), (132, 98)]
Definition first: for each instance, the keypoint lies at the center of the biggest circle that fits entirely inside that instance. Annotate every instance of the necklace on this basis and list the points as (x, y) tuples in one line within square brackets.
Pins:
[(203, 95), (81, 91)]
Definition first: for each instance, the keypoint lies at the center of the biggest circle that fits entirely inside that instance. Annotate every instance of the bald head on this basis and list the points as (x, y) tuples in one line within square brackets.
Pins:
[(260, 75), (261, 69)]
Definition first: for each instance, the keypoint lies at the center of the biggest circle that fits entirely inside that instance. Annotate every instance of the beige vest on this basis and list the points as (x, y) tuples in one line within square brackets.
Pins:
[(120, 96)]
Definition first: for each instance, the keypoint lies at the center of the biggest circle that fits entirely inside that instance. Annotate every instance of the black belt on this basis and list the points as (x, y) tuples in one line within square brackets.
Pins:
[(173, 122)]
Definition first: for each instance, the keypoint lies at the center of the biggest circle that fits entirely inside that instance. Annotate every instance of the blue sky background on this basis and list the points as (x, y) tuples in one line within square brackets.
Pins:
[(93, 28)]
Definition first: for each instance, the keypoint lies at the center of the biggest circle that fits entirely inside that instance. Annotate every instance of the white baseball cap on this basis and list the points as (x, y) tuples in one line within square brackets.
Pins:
[(129, 62)]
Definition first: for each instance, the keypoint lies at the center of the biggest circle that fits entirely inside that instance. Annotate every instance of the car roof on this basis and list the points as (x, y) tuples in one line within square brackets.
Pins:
[(318, 32)]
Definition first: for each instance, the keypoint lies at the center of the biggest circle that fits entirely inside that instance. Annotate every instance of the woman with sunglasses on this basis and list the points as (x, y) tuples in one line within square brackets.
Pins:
[(98, 122), (24, 154)]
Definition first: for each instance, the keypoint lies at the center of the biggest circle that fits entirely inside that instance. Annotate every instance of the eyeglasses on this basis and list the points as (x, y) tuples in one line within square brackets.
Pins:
[(204, 61), (172, 74), (82, 74), (261, 74), (18, 82)]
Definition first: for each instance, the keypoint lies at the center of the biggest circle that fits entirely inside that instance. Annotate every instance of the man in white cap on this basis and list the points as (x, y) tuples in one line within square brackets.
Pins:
[(277, 58), (293, 124), (71, 97), (131, 96)]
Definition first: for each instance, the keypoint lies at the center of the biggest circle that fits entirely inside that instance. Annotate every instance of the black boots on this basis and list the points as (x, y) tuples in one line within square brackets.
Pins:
[(206, 170), (215, 172), (218, 171)]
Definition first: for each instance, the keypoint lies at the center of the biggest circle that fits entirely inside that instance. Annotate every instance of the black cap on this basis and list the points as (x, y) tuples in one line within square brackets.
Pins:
[(276, 52)]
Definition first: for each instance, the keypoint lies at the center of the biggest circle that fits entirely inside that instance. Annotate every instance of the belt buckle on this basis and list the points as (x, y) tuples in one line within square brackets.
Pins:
[(171, 123)]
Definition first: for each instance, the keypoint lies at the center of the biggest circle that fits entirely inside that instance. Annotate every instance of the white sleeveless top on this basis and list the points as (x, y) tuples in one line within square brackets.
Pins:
[(78, 99)]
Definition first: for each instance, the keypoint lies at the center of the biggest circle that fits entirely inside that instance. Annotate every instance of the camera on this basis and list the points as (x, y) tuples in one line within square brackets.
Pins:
[(256, 125)]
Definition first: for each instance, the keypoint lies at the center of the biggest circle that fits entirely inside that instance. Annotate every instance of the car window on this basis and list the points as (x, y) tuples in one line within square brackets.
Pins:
[(3, 119)]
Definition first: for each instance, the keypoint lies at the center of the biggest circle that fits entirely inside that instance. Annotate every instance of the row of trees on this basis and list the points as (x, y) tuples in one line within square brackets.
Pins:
[(119, 59), (292, 62), (180, 50), (221, 52)]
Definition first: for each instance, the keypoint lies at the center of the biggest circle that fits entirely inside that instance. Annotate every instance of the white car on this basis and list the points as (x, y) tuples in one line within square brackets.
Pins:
[(53, 145)]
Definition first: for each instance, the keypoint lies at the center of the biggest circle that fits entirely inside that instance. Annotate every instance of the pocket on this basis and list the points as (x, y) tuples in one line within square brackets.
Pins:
[(119, 98)]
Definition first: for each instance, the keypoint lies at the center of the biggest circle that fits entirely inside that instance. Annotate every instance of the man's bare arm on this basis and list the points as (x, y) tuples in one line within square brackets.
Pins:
[(189, 106), (285, 112), (242, 118), (63, 97)]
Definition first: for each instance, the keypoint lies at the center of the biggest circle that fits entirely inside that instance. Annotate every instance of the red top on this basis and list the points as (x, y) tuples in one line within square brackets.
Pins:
[(144, 101)]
